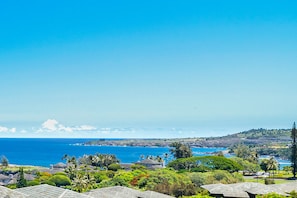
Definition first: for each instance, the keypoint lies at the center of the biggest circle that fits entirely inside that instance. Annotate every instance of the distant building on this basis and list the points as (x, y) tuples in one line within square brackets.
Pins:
[(59, 165), (150, 164), (4, 180), (126, 166)]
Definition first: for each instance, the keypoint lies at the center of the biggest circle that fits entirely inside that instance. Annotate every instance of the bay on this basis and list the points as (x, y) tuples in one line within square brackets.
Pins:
[(45, 151)]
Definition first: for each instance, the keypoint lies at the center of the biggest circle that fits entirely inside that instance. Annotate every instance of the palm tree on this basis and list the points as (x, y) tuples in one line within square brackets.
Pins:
[(272, 164), (80, 183), (253, 157)]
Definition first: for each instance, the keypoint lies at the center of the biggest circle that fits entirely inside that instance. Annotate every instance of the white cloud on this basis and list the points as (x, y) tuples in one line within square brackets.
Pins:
[(52, 125), (5, 129), (23, 131), (85, 128), (12, 130)]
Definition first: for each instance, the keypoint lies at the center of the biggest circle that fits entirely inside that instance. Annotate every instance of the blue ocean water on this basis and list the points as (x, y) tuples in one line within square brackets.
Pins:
[(44, 152)]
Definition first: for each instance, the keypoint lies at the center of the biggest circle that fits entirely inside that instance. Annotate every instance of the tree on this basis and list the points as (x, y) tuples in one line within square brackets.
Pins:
[(242, 151), (99, 160), (4, 161), (294, 151), (83, 182), (246, 153), (21, 181), (180, 150), (205, 163), (269, 164)]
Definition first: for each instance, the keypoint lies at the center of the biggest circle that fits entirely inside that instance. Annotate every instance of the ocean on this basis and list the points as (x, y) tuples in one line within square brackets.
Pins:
[(45, 152)]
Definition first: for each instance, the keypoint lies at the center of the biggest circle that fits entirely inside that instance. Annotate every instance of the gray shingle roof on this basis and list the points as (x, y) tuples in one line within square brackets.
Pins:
[(47, 191), (3, 177), (149, 162), (152, 194), (8, 193), (240, 189), (124, 192), (115, 192)]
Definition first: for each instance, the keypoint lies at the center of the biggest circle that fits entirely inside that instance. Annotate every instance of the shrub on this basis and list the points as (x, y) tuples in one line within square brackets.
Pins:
[(11, 186), (60, 173), (205, 163), (181, 189), (60, 180), (198, 179), (48, 182), (293, 194), (271, 195), (44, 174), (109, 174), (114, 167), (100, 176), (33, 183), (217, 176), (269, 181), (138, 166)]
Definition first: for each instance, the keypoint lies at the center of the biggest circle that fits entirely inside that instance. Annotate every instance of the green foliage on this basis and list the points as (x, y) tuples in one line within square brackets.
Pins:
[(259, 133), (99, 160), (60, 180), (271, 195), (198, 196), (167, 182), (287, 168), (181, 189), (33, 183), (218, 176), (294, 150), (293, 194), (180, 150), (247, 166), (114, 167), (246, 153), (100, 176), (21, 181), (61, 173), (11, 186), (82, 182), (269, 164), (48, 182), (269, 181), (123, 178), (205, 163), (198, 179), (138, 166), (277, 152)]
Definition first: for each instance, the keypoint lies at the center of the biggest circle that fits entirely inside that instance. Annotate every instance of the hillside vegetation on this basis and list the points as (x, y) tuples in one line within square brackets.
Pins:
[(253, 137)]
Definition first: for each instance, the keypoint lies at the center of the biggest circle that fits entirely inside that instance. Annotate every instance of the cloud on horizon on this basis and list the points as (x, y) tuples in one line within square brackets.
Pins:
[(6, 129), (52, 125)]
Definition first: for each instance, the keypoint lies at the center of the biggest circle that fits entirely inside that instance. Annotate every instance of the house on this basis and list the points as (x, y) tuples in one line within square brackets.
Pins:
[(59, 165), (47, 191), (249, 189), (8, 193), (14, 178), (4, 180), (150, 164), (126, 166), (124, 192)]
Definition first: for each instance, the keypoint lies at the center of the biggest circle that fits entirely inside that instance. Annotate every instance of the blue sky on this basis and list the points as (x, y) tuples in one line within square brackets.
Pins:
[(146, 68)]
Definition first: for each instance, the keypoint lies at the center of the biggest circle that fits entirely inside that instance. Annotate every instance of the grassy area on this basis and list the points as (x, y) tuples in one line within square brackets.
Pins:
[(15, 168), (262, 180)]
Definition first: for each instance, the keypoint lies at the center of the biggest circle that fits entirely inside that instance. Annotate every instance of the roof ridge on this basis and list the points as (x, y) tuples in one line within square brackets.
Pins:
[(63, 193)]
